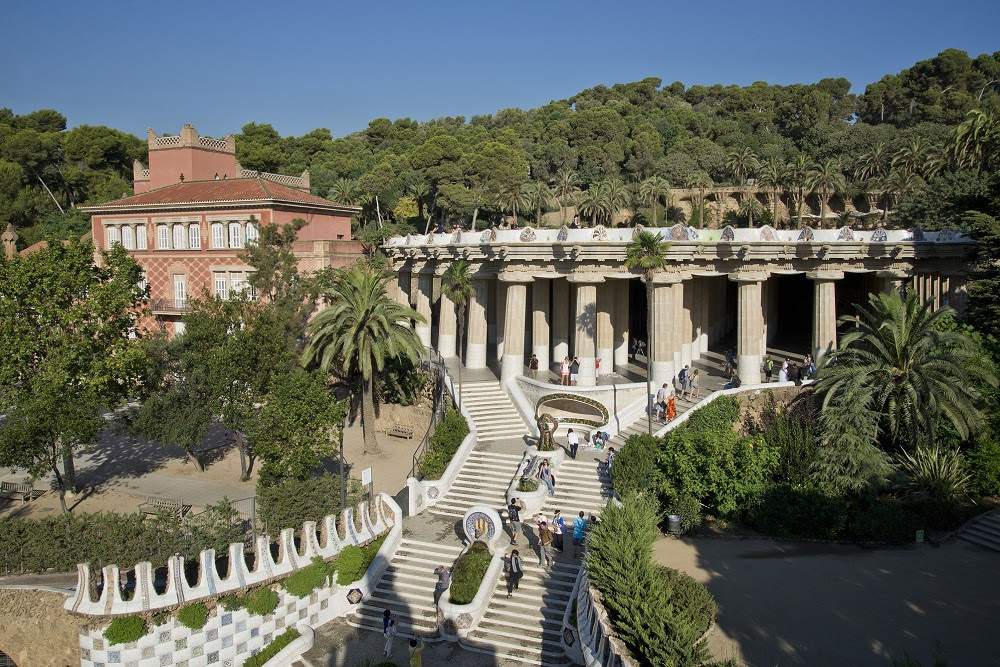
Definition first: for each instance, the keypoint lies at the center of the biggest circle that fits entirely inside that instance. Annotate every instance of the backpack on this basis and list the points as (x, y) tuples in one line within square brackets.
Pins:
[(683, 375)]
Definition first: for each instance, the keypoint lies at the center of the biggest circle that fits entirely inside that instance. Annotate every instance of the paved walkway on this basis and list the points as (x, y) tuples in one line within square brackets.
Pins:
[(818, 604)]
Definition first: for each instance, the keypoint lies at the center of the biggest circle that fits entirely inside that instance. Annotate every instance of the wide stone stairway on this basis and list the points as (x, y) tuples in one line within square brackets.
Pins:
[(581, 485), (493, 412), (483, 480), (983, 531)]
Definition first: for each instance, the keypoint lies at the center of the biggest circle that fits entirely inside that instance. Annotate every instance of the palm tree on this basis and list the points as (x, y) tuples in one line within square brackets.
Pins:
[(742, 164), (749, 207), (700, 181), (593, 201), (772, 178), (652, 190), (911, 156), (976, 144), (873, 163), (647, 253), (901, 364), (420, 191), (456, 286), (565, 184), (361, 329), (618, 197), (797, 177), (345, 191), (826, 179), (538, 196), (897, 184), (513, 197)]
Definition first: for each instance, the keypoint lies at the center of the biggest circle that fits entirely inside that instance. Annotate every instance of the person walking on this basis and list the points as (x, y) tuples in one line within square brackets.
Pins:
[(783, 373), (558, 528), (416, 653), (768, 368), (730, 361), (609, 461), (573, 438), (695, 380), (514, 517), (533, 366), (672, 408), (443, 582), (661, 402), (388, 631), (579, 532), (682, 379), (545, 554), (545, 474), (514, 570), (574, 370), (564, 372)]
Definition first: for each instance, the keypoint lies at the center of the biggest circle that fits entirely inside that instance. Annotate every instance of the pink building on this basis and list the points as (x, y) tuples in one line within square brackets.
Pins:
[(195, 208)]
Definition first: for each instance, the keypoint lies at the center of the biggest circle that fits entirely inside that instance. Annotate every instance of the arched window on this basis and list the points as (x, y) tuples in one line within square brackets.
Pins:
[(253, 233), (235, 235), (112, 235), (162, 237), (194, 236), (128, 237), (218, 235), (140, 237), (180, 237)]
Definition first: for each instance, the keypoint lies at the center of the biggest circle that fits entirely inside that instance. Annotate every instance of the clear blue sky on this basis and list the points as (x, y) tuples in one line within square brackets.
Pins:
[(301, 65)]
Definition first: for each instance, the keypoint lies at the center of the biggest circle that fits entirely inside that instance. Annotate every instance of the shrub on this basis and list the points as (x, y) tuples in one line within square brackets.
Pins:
[(231, 602), (447, 438), (719, 415), (353, 562), (468, 572), (687, 508), (193, 616), (690, 598), (798, 511), (271, 650), (635, 468), (304, 581), (984, 462), (883, 520), (160, 617), (125, 629), (290, 502), (527, 484), (796, 442), (933, 473), (400, 381), (261, 602)]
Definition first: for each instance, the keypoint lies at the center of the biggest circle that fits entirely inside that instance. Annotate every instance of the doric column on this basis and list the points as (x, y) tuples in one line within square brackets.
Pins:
[(586, 324), (540, 323), (676, 324), (605, 332), (425, 286), (560, 321), (475, 335), (447, 327), (512, 363), (706, 315), (662, 334), (749, 326), (824, 311), (500, 306), (893, 281), (686, 323), (405, 277), (620, 320)]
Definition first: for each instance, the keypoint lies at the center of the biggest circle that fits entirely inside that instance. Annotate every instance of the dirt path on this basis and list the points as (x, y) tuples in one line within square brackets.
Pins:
[(28, 616)]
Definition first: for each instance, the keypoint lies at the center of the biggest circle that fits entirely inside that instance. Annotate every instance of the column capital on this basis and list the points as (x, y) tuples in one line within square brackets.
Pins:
[(748, 276), (669, 277), (825, 275), (585, 277), (515, 277), (893, 274)]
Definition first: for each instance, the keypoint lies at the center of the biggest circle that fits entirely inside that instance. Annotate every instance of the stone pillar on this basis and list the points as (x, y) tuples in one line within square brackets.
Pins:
[(475, 335), (403, 288), (824, 312), (540, 323), (585, 321), (662, 332), (425, 287), (501, 311), (605, 332), (560, 321), (749, 326), (893, 281), (676, 324), (706, 315), (512, 362), (447, 327), (620, 320)]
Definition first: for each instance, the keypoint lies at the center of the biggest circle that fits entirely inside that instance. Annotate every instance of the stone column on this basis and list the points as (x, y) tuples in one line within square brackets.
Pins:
[(605, 332), (475, 334), (676, 324), (540, 323), (512, 362), (447, 327), (560, 321), (893, 281), (585, 321), (662, 332), (501, 310), (749, 327), (620, 320), (706, 315), (403, 287), (425, 287), (824, 311)]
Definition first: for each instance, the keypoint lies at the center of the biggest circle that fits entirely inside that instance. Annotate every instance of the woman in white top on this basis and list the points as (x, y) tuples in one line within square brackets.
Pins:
[(783, 373)]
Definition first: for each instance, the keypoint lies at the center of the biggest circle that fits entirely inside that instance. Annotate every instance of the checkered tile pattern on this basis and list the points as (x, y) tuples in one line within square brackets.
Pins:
[(160, 269)]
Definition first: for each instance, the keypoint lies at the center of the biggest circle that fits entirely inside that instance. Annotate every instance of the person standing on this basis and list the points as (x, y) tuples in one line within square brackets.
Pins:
[(514, 570), (783, 373), (574, 442), (695, 380), (730, 361), (558, 528), (661, 401), (533, 366), (443, 582), (579, 532), (514, 517), (545, 554), (574, 370), (416, 653), (564, 372), (768, 368), (672, 407), (388, 631)]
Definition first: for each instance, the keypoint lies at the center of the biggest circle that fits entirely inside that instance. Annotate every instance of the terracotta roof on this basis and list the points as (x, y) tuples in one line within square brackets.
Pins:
[(222, 191)]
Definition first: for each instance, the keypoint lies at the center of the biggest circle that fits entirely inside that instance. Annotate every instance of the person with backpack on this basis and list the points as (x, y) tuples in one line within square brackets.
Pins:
[(579, 531), (558, 529)]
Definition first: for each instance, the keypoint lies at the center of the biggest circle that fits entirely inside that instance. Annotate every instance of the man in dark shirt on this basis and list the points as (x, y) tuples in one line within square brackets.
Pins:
[(514, 517)]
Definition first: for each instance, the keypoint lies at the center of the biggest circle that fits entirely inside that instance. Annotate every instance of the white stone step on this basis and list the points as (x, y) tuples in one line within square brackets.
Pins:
[(478, 453)]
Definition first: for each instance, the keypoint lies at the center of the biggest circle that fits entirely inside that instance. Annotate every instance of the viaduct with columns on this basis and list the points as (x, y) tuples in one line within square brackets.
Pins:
[(560, 293)]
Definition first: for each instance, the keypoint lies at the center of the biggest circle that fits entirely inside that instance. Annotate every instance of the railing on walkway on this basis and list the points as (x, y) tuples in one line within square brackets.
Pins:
[(434, 363)]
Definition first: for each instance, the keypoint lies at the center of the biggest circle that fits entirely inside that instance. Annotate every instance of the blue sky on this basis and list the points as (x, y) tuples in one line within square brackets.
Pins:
[(302, 65)]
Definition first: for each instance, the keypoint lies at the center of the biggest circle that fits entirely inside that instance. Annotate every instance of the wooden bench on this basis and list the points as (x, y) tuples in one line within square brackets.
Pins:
[(167, 506), (23, 491), (400, 431)]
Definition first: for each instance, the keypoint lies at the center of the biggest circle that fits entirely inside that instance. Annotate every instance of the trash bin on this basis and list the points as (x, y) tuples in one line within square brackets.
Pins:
[(674, 524)]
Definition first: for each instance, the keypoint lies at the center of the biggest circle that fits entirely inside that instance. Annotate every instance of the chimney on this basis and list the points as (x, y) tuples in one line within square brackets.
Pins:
[(189, 135), (305, 181)]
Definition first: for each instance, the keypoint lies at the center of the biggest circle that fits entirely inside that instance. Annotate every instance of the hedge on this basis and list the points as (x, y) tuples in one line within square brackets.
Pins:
[(304, 581), (290, 502), (468, 572), (353, 561), (125, 629), (194, 616), (106, 538), (447, 438), (271, 650)]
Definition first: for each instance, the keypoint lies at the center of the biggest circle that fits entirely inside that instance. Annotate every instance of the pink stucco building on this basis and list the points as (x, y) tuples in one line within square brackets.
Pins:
[(195, 208)]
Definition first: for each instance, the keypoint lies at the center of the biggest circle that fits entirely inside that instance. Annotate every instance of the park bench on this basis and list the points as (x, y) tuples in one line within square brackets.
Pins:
[(400, 431), (154, 505), (23, 491)]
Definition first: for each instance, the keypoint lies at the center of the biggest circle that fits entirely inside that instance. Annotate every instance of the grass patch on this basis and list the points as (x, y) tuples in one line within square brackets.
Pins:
[(271, 650), (125, 629), (231, 602), (261, 602), (468, 572), (303, 582), (193, 616)]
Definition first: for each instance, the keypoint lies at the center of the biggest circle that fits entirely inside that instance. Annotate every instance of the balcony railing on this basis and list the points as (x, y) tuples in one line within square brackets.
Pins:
[(169, 306)]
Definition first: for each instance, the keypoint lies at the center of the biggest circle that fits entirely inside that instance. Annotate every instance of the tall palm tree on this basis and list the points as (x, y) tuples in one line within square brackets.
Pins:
[(826, 179), (899, 363), (538, 195), (797, 177), (742, 164), (652, 190), (895, 185), (911, 156), (873, 163), (456, 286), (513, 197), (749, 208), (647, 253), (358, 332), (772, 178), (976, 144), (618, 197), (593, 201), (345, 191), (565, 185), (700, 181)]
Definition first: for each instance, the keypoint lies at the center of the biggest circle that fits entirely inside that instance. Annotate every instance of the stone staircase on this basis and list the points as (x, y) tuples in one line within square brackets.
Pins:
[(527, 627), (983, 531), (582, 484), (407, 588), (493, 412), (483, 480)]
